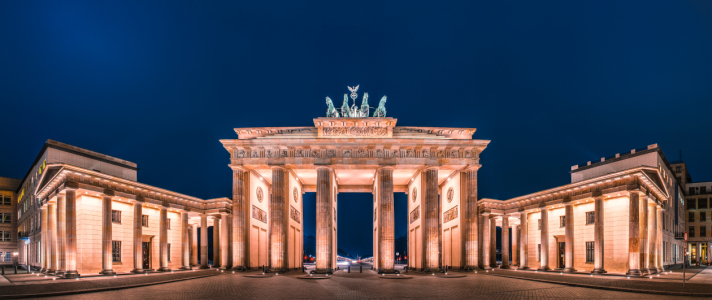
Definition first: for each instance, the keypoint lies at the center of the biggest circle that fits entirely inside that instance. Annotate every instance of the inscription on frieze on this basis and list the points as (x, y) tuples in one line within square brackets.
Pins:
[(259, 214), (354, 131), (450, 214)]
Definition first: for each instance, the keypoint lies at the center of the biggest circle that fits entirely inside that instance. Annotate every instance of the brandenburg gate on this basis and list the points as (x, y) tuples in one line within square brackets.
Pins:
[(350, 151)]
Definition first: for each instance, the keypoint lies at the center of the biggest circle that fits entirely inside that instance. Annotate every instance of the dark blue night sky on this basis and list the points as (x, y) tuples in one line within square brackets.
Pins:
[(551, 83)]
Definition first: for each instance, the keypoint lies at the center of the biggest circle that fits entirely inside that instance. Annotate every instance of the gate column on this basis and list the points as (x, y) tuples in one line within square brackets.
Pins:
[(279, 220), (471, 217), (386, 255), (324, 239)]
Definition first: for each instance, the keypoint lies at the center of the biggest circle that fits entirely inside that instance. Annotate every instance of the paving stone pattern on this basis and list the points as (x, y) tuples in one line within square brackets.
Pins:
[(361, 286)]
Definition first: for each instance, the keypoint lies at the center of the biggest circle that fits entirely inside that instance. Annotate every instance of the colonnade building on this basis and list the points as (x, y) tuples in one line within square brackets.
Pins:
[(82, 212), (624, 214)]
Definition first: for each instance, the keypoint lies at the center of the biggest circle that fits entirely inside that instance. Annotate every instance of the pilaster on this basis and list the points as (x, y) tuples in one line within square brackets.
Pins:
[(598, 236), (505, 242), (106, 237)]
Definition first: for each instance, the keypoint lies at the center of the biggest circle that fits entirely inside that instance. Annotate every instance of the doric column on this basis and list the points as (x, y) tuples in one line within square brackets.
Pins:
[(216, 241), (52, 237), (106, 237), (515, 245), (43, 237), (634, 235), (493, 241), (225, 243), (163, 240), (138, 237), (204, 241), (524, 245), (659, 231), (644, 241), (239, 219), (652, 238), (278, 220), (486, 241), (598, 236), (569, 238), (471, 221), (544, 239), (505, 242), (323, 220), (431, 220), (71, 231), (61, 235), (387, 253), (194, 244), (185, 241)]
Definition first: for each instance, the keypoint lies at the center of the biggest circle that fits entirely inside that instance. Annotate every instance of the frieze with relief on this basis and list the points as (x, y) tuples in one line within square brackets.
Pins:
[(294, 214), (450, 214), (356, 131), (259, 214)]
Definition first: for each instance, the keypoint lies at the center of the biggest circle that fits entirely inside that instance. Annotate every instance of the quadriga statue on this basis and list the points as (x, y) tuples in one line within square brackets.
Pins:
[(381, 110), (345, 107), (331, 111), (364, 106)]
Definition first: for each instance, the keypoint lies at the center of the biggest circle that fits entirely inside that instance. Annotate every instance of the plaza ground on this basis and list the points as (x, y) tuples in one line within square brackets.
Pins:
[(355, 285)]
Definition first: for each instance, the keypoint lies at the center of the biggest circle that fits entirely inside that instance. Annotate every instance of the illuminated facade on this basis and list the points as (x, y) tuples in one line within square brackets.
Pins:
[(624, 214)]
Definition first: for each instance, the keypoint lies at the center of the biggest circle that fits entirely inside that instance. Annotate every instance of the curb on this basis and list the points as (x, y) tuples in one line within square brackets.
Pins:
[(102, 289), (610, 288)]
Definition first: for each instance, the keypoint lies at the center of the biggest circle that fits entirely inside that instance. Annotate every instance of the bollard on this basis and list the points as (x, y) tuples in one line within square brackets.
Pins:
[(15, 268), (406, 269), (3, 270), (360, 269), (349, 269)]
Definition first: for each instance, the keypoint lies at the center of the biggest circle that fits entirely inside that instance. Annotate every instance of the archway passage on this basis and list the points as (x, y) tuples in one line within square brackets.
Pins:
[(436, 167)]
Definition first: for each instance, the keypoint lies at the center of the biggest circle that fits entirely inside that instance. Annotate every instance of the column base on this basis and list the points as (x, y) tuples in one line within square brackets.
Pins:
[(43, 270), (139, 271), (239, 268), (322, 271), (59, 273), (203, 267), (486, 268), (276, 270), (524, 268), (164, 269), (634, 272), (71, 274), (226, 268), (568, 270), (505, 267), (599, 271), (107, 272), (51, 272), (544, 269), (431, 270), (471, 268), (186, 268)]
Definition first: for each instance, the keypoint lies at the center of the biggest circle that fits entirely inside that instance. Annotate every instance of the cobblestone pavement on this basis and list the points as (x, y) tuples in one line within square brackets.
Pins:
[(365, 285)]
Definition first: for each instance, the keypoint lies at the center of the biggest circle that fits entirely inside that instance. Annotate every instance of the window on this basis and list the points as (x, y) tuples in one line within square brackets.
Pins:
[(8, 256), (590, 217), (169, 224), (7, 200), (539, 224), (691, 190), (678, 169), (169, 252), (691, 233), (116, 216), (589, 251), (5, 236), (702, 203), (144, 220), (703, 190), (703, 216), (690, 217), (562, 221), (538, 252), (6, 218), (703, 231), (691, 204), (116, 251)]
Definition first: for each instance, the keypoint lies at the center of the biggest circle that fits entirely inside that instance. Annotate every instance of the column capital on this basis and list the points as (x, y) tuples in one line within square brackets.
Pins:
[(427, 168), (239, 168), (474, 167), (278, 168), (380, 167)]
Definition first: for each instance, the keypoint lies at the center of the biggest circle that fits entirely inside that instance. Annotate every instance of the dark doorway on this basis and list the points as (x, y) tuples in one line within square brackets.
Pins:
[(562, 253), (146, 255)]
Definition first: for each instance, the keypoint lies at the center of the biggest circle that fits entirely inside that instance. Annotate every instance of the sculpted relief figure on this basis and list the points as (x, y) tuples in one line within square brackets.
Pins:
[(381, 110), (331, 111)]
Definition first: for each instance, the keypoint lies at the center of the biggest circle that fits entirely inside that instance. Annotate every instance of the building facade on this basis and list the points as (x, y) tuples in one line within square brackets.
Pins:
[(624, 214), (8, 220)]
